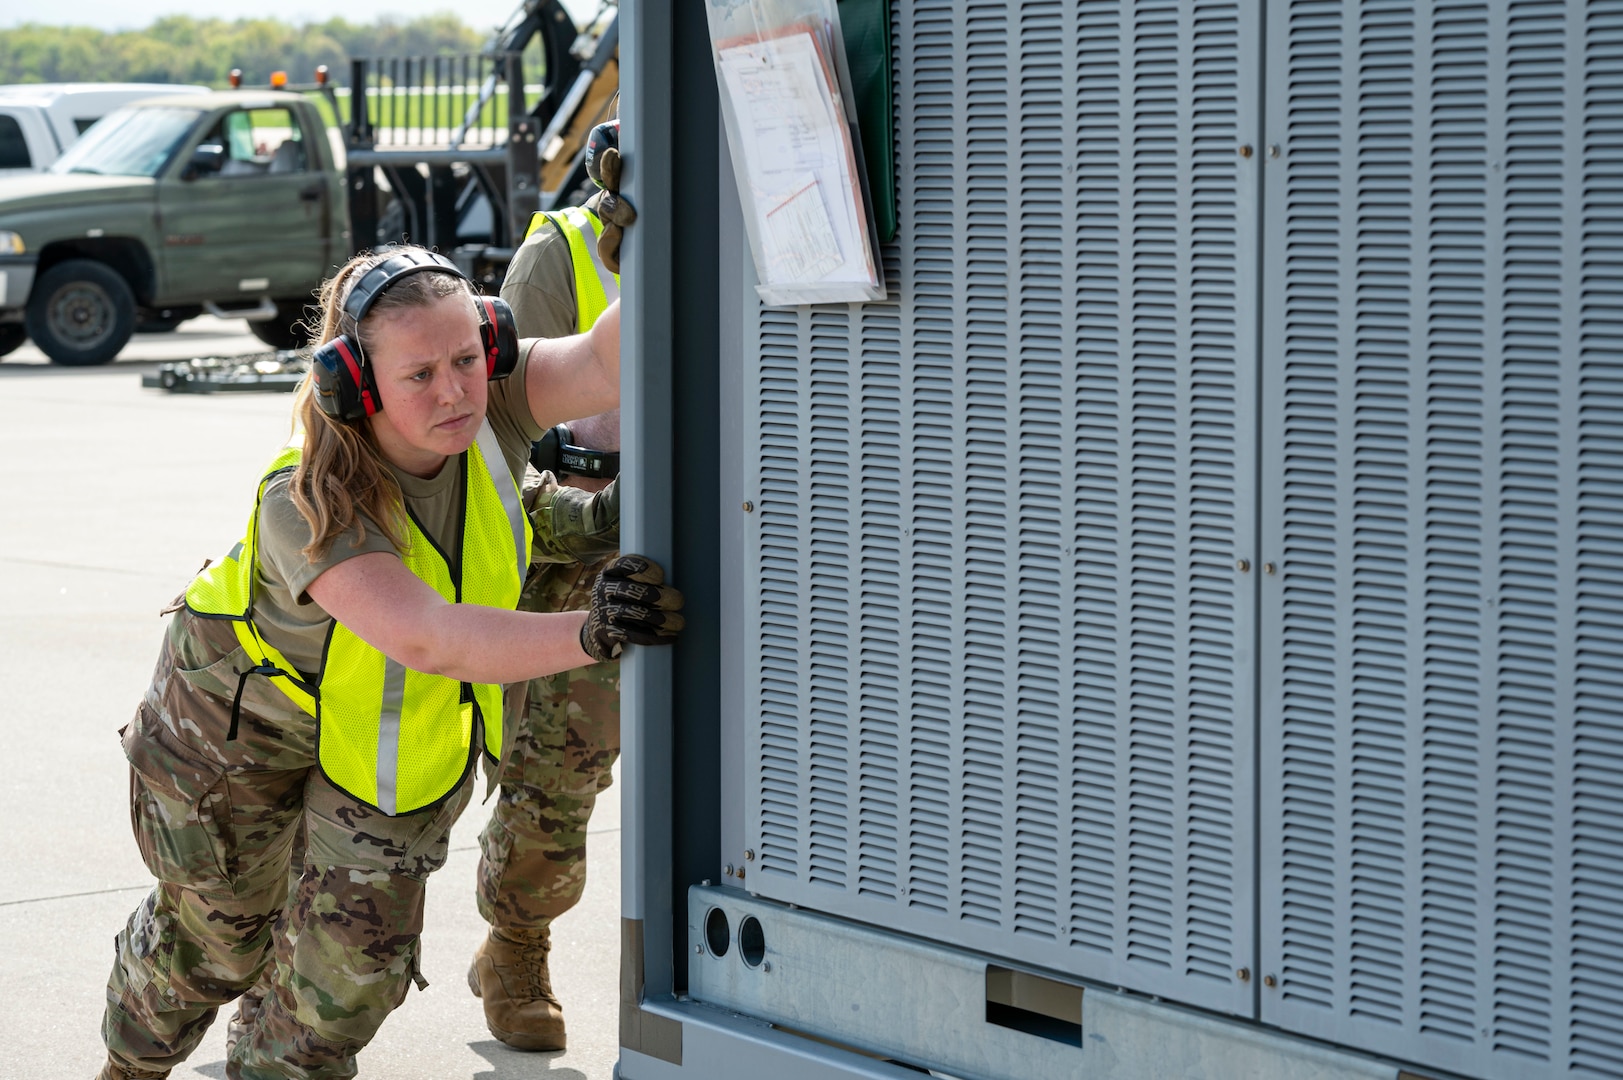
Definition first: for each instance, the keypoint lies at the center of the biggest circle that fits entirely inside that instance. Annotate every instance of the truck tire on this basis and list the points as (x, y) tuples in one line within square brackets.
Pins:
[(82, 312), (12, 336), (286, 330)]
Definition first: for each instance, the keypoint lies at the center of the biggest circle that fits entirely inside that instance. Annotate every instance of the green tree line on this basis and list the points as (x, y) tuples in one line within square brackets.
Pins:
[(181, 49)]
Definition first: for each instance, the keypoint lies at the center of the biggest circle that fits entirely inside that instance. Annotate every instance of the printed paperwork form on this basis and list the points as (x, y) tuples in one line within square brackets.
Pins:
[(797, 154)]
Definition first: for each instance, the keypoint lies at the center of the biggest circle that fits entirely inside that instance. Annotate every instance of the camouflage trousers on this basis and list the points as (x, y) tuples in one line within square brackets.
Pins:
[(218, 822), (566, 736), (532, 863)]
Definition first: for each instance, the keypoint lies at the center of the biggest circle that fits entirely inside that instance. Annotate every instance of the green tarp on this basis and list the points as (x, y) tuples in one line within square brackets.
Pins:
[(865, 24)]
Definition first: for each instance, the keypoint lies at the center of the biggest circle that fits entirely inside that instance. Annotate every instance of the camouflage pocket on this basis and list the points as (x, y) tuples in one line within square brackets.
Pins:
[(495, 851), (543, 733), (180, 806), (218, 672), (146, 947), (571, 732)]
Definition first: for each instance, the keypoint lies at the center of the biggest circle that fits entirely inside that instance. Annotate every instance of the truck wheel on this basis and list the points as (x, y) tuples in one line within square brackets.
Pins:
[(12, 336), (82, 312), (286, 330)]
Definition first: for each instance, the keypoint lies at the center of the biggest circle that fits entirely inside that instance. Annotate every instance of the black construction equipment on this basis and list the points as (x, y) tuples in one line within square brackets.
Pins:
[(457, 152)]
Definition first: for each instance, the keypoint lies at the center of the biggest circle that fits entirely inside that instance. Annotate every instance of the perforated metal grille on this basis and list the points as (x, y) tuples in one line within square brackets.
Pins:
[(1005, 693), (1442, 375)]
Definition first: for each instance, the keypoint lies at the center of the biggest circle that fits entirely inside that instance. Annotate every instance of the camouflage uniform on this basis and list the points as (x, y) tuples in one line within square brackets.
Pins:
[(532, 864), (215, 821), (219, 823)]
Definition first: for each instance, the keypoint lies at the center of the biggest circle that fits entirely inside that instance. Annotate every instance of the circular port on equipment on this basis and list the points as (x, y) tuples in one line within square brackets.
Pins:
[(751, 942), (717, 934)]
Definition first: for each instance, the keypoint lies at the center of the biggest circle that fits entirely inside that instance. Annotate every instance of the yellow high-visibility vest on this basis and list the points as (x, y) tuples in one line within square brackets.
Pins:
[(596, 286), (395, 739)]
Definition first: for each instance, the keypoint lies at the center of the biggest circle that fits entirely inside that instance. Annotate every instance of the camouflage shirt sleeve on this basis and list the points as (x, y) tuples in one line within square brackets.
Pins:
[(571, 525)]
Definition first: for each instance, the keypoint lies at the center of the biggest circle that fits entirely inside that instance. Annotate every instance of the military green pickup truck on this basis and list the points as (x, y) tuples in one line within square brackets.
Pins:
[(228, 203)]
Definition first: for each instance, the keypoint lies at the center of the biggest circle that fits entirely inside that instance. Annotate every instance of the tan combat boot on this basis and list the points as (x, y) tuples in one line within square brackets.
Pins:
[(111, 1071), (510, 974)]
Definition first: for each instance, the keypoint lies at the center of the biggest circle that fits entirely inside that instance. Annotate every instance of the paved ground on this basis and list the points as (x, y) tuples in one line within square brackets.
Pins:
[(112, 497)]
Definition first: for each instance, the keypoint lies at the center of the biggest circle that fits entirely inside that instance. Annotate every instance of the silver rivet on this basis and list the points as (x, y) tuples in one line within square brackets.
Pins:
[(728, 870), (1243, 974), (1242, 565), (1273, 150), (748, 506), (1269, 981), (1269, 568), (698, 950), (749, 856), (767, 966)]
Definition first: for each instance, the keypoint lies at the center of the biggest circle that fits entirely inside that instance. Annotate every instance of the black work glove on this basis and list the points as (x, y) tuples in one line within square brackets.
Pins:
[(612, 209), (630, 605)]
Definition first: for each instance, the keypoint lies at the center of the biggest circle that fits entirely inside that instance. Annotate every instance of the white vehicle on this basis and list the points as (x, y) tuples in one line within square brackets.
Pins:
[(40, 120)]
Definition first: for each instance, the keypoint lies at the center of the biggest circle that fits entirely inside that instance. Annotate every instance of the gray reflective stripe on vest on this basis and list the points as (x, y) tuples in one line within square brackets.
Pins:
[(496, 465), (394, 700), (394, 673), (611, 287)]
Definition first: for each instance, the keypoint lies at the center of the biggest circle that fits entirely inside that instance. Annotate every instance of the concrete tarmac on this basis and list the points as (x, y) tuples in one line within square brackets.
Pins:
[(112, 498)]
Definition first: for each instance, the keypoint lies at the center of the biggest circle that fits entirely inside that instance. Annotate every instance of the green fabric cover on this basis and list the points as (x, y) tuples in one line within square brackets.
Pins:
[(865, 25)]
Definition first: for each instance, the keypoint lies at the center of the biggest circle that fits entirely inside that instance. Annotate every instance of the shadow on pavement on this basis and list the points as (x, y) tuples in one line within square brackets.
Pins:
[(519, 1065), (206, 337), (508, 1065), (122, 368)]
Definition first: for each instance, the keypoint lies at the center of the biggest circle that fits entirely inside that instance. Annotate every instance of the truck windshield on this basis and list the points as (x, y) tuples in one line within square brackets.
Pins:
[(128, 142)]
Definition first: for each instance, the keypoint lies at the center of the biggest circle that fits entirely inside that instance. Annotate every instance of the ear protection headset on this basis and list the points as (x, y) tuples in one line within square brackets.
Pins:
[(599, 139), (345, 387)]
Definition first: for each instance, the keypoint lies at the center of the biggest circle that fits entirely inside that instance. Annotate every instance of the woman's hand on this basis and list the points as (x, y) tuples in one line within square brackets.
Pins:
[(631, 605)]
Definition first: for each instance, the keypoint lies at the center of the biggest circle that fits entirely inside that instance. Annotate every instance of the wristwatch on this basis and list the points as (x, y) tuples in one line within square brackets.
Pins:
[(556, 452)]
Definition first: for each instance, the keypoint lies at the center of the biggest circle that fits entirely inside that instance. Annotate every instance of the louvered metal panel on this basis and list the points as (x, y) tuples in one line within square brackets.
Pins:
[(1002, 683), (1441, 703)]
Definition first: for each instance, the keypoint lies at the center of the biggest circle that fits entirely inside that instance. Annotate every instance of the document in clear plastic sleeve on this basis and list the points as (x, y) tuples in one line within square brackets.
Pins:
[(800, 239), (792, 137)]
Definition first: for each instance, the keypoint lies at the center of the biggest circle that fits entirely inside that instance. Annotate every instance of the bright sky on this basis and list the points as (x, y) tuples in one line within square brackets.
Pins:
[(134, 14)]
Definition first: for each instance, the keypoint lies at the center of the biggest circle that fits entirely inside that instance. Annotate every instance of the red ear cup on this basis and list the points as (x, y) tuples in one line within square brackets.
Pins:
[(499, 335), (487, 335), (360, 374), (344, 388)]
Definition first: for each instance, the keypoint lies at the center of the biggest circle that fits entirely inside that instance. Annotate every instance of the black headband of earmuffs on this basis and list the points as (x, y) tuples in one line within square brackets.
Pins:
[(345, 388)]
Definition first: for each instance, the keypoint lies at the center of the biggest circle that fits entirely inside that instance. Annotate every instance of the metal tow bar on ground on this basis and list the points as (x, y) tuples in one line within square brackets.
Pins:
[(267, 372)]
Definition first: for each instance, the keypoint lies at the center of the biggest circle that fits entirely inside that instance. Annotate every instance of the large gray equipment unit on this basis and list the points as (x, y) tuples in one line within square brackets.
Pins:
[(1181, 632)]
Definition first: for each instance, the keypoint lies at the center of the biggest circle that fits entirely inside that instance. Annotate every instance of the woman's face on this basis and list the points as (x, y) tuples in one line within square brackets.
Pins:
[(429, 366)]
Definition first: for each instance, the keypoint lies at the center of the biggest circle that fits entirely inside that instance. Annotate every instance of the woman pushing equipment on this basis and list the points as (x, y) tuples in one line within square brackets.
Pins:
[(335, 676)]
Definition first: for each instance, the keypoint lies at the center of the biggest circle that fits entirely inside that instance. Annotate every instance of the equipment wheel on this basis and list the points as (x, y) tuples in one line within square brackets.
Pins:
[(82, 312), (286, 330), (12, 336)]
